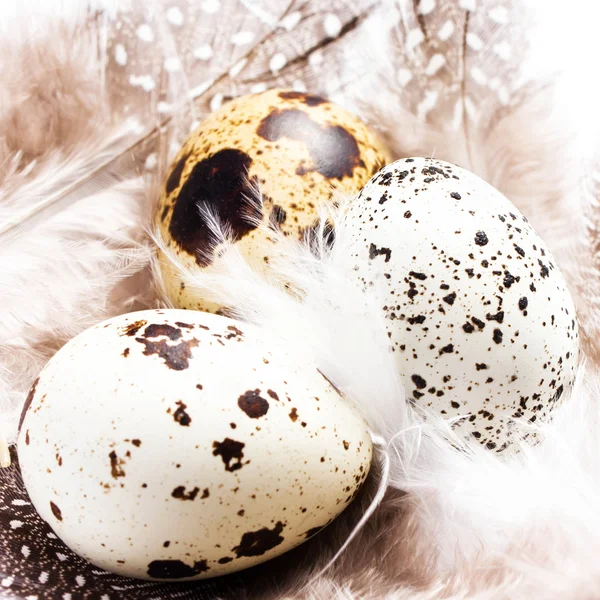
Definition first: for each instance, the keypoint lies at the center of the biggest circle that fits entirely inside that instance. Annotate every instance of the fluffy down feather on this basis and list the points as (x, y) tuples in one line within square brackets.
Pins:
[(472, 524), (60, 273)]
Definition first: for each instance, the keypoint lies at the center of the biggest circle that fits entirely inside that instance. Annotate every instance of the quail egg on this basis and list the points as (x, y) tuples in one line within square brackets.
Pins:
[(478, 313), (292, 148), (177, 445)]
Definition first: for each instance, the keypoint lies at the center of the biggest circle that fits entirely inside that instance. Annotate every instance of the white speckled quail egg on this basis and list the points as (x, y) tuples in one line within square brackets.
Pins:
[(184, 445), (296, 148), (478, 313)]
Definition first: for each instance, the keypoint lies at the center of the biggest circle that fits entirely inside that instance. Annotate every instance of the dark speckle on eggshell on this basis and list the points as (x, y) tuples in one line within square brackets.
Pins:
[(374, 252), (133, 328), (56, 511), (257, 543), (175, 569), (234, 333), (480, 324), (231, 452), (253, 404), (419, 382), (180, 415), (116, 469), (481, 238), (450, 298), (498, 317)]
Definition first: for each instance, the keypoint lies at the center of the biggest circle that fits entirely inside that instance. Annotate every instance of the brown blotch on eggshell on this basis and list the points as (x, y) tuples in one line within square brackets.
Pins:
[(222, 186), (180, 494), (333, 150), (176, 356)]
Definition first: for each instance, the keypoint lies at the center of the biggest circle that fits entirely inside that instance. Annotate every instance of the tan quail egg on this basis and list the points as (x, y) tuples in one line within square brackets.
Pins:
[(295, 148), (174, 444), (478, 314)]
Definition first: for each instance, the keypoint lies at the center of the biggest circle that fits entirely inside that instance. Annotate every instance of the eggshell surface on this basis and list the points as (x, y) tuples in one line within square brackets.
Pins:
[(293, 148), (178, 445), (478, 314)]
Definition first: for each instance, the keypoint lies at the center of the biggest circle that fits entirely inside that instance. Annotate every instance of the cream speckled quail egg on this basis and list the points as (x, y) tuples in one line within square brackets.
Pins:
[(295, 147), (183, 445), (478, 314)]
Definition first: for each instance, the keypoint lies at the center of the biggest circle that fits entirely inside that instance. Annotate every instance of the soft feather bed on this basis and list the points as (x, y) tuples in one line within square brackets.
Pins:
[(498, 95)]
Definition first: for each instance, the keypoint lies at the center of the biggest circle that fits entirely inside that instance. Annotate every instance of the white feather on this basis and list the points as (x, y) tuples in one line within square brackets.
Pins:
[(528, 518), (308, 301), (60, 279), (63, 265)]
